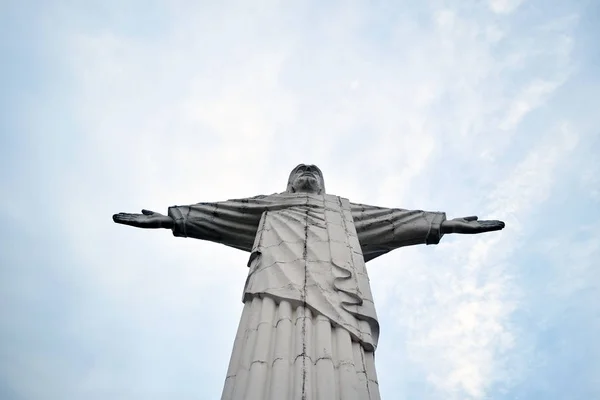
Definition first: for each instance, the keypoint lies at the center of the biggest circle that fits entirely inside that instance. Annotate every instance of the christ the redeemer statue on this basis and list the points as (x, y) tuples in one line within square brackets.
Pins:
[(309, 328)]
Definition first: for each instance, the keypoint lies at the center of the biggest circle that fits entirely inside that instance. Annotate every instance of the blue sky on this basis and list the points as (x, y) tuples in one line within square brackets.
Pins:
[(478, 107)]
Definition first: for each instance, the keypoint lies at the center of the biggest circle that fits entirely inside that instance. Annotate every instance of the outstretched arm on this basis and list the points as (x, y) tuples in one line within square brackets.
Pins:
[(381, 230), (232, 222), (223, 222)]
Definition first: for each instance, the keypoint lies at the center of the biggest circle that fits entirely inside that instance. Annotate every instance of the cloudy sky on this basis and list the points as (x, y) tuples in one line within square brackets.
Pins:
[(468, 107)]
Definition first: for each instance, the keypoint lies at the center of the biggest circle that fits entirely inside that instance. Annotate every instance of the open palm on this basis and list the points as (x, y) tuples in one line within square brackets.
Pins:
[(471, 225), (147, 219)]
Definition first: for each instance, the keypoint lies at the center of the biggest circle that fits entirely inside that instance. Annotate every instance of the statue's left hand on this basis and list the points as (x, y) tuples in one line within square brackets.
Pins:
[(147, 219), (470, 225)]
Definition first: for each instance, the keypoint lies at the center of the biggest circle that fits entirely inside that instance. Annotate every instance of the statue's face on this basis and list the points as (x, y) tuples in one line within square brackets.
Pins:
[(306, 178)]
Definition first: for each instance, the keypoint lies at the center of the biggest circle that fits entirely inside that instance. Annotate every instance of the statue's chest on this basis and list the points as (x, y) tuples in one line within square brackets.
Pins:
[(316, 226)]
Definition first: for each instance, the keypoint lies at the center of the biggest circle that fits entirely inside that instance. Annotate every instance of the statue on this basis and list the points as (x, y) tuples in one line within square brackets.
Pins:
[(308, 328)]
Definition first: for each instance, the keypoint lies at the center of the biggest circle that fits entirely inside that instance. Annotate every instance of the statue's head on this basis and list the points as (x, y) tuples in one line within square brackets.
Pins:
[(306, 178)]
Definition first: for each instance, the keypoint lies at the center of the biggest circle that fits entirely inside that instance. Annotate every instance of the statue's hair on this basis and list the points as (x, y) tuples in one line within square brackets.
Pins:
[(290, 189)]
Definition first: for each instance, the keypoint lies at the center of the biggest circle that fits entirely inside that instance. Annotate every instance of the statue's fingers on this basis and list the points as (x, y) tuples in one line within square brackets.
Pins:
[(121, 217), (491, 225), (471, 218), (125, 217), (147, 212)]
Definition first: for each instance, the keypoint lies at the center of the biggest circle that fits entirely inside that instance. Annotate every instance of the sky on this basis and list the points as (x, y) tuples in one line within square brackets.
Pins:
[(471, 107)]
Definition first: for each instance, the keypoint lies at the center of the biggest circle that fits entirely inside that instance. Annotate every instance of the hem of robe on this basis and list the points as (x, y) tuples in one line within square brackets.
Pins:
[(284, 350), (364, 331)]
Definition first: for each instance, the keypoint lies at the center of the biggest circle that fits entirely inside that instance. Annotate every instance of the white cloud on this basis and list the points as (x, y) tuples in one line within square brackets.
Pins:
[(531, 181), (530, 98), (462, 296), (504, 6)]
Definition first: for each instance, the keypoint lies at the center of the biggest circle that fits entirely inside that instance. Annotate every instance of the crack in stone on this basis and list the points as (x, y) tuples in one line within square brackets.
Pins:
[(305, 254)]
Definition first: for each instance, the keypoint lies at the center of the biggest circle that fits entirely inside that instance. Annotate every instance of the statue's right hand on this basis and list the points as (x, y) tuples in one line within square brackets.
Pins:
[(147, 219)]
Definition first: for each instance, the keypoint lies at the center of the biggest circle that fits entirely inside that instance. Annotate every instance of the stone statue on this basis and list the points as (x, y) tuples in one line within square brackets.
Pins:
[(309, 328)]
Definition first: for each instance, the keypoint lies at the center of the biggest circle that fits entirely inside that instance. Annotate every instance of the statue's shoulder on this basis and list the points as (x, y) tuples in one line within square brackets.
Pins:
[(333, 197)]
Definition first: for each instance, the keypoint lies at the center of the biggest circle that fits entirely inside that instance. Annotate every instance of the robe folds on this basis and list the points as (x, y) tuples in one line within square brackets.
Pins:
[(306, 270)]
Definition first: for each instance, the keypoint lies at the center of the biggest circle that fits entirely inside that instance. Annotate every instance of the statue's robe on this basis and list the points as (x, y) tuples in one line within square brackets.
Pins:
[(309, 327)]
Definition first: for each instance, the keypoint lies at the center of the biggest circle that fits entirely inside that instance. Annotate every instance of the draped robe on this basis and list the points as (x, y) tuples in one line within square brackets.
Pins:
[(309, 327)]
